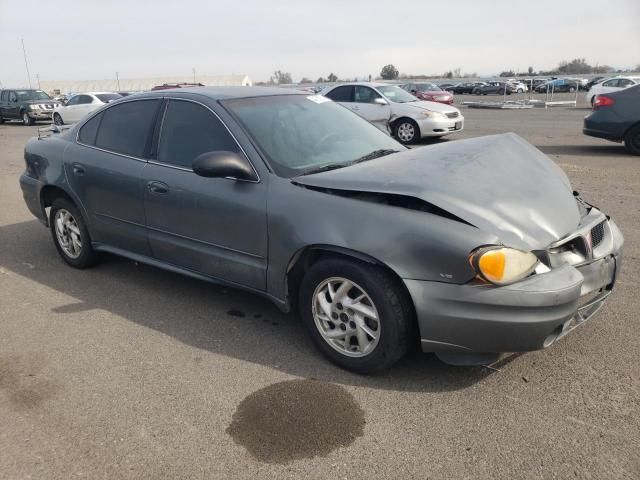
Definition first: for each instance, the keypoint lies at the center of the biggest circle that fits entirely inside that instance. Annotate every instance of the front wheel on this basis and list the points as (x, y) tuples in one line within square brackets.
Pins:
[(70, 234), (356, 313), (406, 131), (632, 140), (57, 119), (571, 90), (27, 120)]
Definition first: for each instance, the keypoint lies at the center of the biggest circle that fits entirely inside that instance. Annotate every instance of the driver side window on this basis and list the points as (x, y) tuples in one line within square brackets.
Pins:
[(188, 130), (365, 94), (73, 100), (13, 97)]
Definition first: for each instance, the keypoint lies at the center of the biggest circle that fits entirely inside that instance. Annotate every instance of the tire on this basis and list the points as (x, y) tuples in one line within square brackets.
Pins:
[(476, 91), (572, 89), (57, 119), (27, 120), (632, 140), (403, 130), (1, 119), (501, 91), (384, 299), (85, 257), (520, 90)]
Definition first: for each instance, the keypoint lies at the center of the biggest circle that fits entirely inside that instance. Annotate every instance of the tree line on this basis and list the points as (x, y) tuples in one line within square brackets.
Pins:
[(390, 72)]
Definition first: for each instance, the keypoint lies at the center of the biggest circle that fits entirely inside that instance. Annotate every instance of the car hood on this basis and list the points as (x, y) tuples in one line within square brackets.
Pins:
[(499, 183), (424, 105), (41, 102)]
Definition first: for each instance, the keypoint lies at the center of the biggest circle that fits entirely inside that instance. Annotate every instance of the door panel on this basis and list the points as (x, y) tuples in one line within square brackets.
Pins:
[(377, 114), (111, 188), (214, 226)]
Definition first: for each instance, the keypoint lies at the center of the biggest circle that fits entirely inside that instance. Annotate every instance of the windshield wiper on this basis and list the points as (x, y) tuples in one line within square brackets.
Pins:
[(324, 168), (333, 166), (375, 154)]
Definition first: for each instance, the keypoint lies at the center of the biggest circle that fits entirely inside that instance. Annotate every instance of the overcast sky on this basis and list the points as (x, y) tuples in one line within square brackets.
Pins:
[(90, 40)]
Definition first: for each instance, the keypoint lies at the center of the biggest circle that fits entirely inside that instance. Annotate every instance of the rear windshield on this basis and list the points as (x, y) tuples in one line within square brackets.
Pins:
[(108, 97), (32, 95), (428, 87)]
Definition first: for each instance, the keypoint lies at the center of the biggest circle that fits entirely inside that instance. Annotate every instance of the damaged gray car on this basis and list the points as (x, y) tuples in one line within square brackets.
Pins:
[(473, 248)]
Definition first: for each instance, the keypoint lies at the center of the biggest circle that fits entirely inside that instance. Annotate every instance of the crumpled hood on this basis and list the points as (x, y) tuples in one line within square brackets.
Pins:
[(499, 183)]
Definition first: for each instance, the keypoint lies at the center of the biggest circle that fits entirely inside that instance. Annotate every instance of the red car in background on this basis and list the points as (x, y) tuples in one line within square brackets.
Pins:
[(429, 92)]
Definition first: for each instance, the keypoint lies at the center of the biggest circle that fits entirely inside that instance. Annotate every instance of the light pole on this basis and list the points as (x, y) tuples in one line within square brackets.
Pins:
[(194, 74), (26, 64), (118, 81), (38, 77)]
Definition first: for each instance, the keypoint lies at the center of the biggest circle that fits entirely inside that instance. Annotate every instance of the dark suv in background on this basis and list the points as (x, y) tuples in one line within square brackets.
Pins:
[(26, 104)]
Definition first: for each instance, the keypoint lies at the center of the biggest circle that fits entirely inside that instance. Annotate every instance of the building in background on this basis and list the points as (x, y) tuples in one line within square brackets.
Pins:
[(139, 84)]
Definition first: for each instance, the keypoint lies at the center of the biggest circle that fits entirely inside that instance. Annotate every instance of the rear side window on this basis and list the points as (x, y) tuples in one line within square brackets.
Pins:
[(611, 83), (188, 130), (87, 134), (125, 128), (4, 96), (341, 94)]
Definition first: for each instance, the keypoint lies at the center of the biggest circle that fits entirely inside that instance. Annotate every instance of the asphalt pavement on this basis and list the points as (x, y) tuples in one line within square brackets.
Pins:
[(127, 371)]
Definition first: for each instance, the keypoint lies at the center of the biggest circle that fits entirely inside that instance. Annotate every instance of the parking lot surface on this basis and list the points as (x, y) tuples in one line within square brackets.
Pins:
[(126, 371)]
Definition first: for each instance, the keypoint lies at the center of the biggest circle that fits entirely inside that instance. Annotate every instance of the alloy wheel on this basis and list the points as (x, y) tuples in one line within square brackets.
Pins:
[(346, 317), (68, 233), (57, 119), (406, 132)]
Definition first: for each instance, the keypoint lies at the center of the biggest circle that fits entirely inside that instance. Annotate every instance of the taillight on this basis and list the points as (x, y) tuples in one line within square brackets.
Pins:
[(603, 101)]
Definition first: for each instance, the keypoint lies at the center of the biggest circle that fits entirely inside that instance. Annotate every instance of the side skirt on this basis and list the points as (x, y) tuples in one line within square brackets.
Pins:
[(101, 247)]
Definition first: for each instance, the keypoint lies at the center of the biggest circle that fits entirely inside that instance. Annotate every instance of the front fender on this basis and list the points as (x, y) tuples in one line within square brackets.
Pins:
[(413, 244)]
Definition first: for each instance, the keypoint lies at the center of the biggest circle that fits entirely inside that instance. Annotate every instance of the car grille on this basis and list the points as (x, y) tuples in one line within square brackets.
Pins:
[(452, 114), (597, 235)]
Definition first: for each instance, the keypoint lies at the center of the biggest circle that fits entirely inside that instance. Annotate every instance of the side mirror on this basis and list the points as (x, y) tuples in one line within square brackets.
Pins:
[(380, 101), (222, 164)]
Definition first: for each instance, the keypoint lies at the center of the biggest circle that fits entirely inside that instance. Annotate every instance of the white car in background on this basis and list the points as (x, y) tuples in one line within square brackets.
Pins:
[(82, 104), (611, 85), (396, 111)]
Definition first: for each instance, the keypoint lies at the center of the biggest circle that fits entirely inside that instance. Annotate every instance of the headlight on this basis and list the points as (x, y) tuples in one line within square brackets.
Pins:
[(433, 114), (34, 107), (503, 265)]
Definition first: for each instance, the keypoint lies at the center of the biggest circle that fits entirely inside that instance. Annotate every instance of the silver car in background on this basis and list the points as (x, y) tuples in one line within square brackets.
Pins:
[(393, 110)]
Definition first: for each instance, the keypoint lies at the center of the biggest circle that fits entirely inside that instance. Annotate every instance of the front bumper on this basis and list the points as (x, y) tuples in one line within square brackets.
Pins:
[(528, 315), (40, 114), (430, 127)]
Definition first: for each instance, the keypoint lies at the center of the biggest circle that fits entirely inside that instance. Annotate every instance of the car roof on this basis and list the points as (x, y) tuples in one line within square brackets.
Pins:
[(223, 93), (371, 84)]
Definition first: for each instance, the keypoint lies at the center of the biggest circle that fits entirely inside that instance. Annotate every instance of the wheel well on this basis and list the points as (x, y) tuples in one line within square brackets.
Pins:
[(629, 129), (49, 193), (305, 258)]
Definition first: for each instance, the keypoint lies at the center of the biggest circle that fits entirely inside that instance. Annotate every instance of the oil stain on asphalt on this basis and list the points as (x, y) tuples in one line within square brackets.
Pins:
[(296, 419), (22, 383)]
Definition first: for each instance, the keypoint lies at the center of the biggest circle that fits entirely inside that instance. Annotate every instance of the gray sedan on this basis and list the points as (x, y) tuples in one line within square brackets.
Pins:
[(474, 247)]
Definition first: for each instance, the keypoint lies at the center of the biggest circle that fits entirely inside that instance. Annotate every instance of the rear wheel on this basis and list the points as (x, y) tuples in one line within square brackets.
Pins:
[(70, 234), (632, 140), (406, 131), (57, 119), (27, 120), (356, 313), (572, 89), (476, 91)]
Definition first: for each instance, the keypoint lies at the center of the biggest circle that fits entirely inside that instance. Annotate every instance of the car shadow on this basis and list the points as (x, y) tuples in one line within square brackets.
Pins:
[(585, 150), (206, 316)]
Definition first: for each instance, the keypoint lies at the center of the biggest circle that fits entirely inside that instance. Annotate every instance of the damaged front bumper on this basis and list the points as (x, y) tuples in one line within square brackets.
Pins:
[(528, 315)]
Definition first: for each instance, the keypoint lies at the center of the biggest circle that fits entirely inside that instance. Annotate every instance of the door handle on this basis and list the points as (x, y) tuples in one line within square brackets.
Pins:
[(78, 170), (158, 187)]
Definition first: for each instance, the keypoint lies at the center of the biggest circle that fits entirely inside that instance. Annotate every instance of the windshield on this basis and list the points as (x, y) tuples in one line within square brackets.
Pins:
[(108, 97), (298, 133), (396, 94), (32, 95), (427, 87)]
